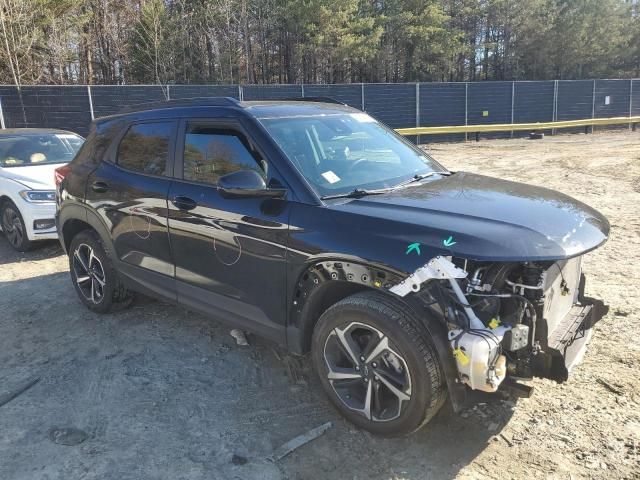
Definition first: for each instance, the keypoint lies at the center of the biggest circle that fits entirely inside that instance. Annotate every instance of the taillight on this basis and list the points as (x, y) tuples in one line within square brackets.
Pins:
[(61, 172)]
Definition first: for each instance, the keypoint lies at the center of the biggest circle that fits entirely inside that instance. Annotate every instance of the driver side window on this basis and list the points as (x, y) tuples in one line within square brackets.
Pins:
[(210, 153)]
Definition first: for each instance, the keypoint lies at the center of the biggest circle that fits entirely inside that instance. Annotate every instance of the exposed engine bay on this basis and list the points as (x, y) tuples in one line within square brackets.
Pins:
[(508, 319)]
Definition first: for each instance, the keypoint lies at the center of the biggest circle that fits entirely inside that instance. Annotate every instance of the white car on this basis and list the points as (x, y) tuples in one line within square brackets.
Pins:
[(28, 160)]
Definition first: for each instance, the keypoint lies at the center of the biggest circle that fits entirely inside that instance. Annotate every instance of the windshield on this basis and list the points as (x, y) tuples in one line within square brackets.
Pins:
[(337, 153), (25, 150)]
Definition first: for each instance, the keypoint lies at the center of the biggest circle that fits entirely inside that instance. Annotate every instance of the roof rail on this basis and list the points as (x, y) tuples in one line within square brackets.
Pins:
[(315, 99), (185, 102)]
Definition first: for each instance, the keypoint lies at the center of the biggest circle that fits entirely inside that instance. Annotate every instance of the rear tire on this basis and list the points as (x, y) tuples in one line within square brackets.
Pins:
[(94, 278), (377, 364), (14, 228)]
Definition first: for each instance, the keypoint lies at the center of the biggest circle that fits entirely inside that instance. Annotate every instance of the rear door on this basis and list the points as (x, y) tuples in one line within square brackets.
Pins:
[(129, 191), (229, 252)]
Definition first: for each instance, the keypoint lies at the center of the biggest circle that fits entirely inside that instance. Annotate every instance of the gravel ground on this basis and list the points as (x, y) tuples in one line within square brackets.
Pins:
[(158, 392)]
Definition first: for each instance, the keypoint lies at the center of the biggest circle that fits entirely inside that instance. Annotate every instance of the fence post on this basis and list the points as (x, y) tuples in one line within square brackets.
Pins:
[(466, 108), (302, 89), (168, 92), (362, 95), (554, 111), (2, 125), (240, 93), (417, 111), (513, 94), (630, 100), (90, 102), (593, 106)]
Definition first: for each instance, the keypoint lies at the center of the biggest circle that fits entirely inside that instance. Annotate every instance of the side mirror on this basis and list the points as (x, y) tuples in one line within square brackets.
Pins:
[(247, 184)]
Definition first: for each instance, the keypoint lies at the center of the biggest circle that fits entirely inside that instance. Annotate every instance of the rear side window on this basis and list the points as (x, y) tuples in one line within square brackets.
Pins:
[(210, 153), (145, 148)]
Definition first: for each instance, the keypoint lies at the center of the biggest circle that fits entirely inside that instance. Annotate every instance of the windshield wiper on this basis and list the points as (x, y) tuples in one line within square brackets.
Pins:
[(362, 192), (357, 193), (418, 177)]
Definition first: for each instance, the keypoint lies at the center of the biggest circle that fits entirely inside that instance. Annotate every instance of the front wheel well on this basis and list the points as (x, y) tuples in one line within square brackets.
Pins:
[(320, 301), (324, 283), (4, 199)]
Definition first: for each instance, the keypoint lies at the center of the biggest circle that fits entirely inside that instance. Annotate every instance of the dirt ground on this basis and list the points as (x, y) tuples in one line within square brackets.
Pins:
[(164, 393)]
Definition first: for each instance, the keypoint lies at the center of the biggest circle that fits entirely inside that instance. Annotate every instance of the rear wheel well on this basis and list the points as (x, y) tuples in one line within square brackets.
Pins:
[(71, 228)]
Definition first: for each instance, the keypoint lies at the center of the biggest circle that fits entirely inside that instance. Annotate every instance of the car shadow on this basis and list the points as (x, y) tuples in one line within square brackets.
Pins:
[(42, 250), (158, 385)]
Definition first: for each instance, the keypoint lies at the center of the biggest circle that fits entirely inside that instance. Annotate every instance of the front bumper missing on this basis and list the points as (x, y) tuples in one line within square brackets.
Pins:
[(559, 347), (567, 343)]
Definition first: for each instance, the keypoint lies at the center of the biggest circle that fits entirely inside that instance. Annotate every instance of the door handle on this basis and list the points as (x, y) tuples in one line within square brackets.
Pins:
[(184, 203), (99, 187)]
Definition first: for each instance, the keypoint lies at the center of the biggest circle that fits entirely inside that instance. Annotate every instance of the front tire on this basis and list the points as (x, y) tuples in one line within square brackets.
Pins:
[(93, 276), (14, 227), (377, 364)]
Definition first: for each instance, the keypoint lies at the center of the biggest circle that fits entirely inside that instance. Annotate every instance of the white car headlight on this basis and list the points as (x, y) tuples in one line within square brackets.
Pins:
[(38, 196)]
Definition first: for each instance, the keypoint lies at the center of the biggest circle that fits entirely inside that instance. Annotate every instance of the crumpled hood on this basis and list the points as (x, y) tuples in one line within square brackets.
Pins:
[(478, 217), (35, 177)]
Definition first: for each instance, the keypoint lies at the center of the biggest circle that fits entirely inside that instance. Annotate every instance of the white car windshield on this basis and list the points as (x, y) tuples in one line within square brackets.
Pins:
[(38, 149), (337, 153)]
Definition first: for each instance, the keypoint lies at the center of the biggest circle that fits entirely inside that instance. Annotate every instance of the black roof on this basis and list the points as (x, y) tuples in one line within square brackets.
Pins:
[(256, 108), (185, 102), (289, 108)]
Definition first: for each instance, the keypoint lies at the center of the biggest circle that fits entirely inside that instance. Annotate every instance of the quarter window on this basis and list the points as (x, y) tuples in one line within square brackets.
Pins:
[(145, 148), (210, 153)]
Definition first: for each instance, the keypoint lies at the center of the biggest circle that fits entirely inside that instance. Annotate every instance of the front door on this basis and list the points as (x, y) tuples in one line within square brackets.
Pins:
[(130, 194), (229, 252)]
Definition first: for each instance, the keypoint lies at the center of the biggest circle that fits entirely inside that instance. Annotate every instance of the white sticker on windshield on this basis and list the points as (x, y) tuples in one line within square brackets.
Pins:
[(331, 177), (362, 118)]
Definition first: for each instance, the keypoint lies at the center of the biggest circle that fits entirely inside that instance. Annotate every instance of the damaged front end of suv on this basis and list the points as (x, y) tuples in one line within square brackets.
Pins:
[(496, 267), (511, 320)]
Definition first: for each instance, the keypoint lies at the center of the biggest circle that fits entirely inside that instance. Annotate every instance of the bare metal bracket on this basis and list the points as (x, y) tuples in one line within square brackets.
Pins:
[(438, 268)]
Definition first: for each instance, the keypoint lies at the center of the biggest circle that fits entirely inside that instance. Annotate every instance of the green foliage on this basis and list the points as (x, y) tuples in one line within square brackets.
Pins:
[(151, 45), (315, 41)]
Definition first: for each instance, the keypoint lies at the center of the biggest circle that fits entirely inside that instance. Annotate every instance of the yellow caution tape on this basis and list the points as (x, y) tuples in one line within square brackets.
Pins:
[(494, 323)]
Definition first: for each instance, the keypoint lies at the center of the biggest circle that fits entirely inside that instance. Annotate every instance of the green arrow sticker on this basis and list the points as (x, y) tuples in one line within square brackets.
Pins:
[(413, 247), (449, 242)]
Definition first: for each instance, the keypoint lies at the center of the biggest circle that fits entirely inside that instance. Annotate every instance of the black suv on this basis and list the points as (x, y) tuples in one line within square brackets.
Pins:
[(313, 225)]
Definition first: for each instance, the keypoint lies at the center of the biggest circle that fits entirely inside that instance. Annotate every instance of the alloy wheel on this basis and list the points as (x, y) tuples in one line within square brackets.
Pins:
[(366, 371), (89, 273), (12, 226)]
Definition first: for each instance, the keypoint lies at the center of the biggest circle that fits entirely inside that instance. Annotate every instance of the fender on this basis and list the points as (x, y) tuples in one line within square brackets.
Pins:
[(70, 212), (78, 211)]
